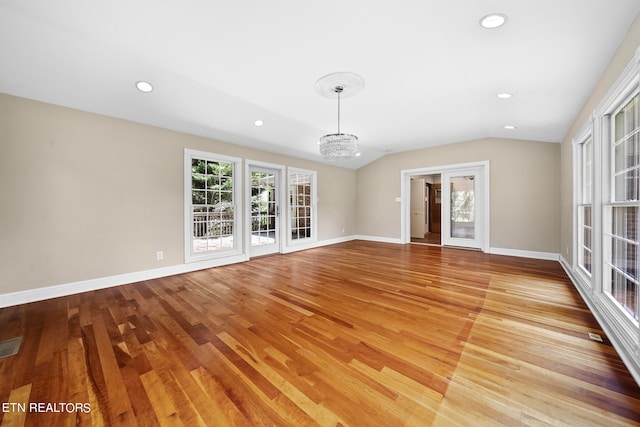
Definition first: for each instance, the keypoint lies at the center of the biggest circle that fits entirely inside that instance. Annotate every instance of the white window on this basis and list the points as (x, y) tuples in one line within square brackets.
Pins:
[(607, 214), (302, 205), (212, 218), (623, 208), (584, 206)]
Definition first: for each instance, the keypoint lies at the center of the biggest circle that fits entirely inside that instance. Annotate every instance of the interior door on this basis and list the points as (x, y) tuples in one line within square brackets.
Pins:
[(265, 211), (418, 213), (461, 209)]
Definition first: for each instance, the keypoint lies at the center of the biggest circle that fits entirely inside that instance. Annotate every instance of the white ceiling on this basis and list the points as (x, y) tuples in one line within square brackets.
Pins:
[(431, 72)]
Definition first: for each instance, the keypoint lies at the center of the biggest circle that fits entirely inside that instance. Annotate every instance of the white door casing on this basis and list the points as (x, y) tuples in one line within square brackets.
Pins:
[(265, 217), (482, 199)]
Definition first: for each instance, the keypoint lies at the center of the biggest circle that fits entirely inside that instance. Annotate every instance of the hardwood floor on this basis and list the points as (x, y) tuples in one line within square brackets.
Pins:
[(429, 239), (359, 333)]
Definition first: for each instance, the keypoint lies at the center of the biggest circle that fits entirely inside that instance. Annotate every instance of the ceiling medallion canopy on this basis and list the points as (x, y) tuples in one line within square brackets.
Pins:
[(339, 146)]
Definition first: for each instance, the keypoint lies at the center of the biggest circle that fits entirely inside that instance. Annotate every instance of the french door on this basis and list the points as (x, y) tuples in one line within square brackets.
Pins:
[(418, 208), (462, 208), (264, 217)]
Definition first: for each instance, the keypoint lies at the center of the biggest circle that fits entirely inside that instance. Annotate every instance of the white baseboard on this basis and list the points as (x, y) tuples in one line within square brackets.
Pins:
[(55, 291), (378, 239), (39, 294), (525, 254), (552, 256), (48, 292), (316, 244), (497, 251)]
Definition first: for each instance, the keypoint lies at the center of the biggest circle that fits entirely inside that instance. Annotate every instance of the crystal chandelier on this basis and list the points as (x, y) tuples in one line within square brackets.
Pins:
[(339, 146)]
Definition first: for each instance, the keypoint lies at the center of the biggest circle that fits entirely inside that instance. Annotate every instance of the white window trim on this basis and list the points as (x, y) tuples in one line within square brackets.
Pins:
[(626, 323), (189, 256), (314, 207), (585, 133), (621, 329), (625, 88)]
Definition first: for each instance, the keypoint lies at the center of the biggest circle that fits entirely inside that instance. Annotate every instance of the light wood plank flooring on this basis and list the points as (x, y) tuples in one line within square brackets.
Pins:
[(359, 334), (429, 239)]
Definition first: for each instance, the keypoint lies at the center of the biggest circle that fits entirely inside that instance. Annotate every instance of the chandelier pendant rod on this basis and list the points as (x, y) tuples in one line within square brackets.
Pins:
[(339, 146), (339, 91)]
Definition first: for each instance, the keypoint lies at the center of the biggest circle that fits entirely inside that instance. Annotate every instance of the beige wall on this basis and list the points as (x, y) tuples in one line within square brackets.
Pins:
[(620, 59), (86, 196), (525, 197)]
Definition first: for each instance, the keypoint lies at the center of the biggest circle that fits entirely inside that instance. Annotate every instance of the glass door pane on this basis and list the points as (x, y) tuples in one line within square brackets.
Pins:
[(462, 213), (265, 211), (462, 207)]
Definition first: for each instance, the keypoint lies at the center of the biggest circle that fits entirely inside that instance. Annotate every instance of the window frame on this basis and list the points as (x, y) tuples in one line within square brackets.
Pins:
[(189, 255), (584, 196), (621, 328), (610, 203)]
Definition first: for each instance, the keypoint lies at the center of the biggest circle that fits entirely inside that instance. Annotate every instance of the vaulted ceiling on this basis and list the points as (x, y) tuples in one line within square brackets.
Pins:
[(431, 71)]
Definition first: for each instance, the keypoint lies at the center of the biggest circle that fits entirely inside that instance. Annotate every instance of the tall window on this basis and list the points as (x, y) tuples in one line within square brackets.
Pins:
[(607, 212), (585, 195), (302, 194), (211, 192), (624, 208)]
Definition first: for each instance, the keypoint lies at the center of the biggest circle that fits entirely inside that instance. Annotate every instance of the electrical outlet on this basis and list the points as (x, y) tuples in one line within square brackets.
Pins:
[(159, 255)]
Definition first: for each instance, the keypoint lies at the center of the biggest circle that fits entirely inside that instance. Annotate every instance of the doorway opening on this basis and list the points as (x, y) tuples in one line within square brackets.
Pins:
[(464, 204), (426, 200), (264, 222)]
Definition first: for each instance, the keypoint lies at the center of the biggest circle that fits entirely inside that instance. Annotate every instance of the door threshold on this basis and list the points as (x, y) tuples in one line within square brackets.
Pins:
[(463, 247), (264, 255), (426, 244)]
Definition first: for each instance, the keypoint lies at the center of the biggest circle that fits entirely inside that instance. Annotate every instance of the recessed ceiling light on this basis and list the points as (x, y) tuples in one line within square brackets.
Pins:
[(143, 86), (258, 122), (509, 127), (504, 95), (493, 20), (358, 154)]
